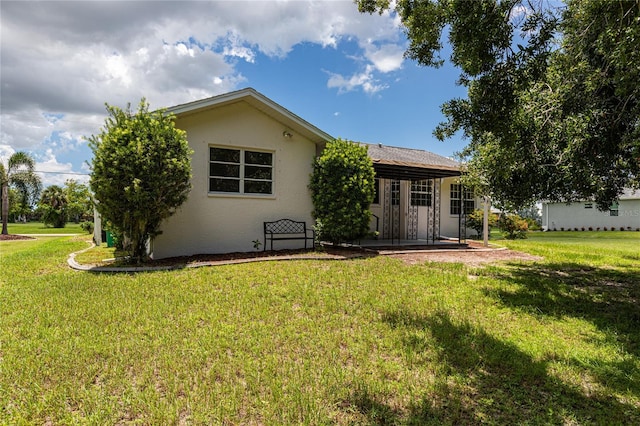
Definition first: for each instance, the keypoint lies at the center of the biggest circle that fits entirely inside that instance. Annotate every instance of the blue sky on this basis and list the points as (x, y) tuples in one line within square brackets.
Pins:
[(336, 68)]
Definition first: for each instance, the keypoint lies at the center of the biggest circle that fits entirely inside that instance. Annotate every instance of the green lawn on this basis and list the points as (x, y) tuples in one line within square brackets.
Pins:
[(40, 228), (367, 341)]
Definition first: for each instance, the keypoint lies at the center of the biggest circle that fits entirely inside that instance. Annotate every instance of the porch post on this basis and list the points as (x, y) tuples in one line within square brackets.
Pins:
[(485, 221)]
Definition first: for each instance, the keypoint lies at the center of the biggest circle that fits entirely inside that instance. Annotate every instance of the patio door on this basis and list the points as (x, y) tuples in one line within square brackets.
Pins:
[(424, 209), (392, 213)]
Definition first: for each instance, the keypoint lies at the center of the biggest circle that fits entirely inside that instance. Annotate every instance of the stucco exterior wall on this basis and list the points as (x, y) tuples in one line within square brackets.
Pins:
[(556, 216), (448, 222), (223, 223)]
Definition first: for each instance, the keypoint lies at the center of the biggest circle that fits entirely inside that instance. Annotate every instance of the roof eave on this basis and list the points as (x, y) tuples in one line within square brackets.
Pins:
[(262, 103)]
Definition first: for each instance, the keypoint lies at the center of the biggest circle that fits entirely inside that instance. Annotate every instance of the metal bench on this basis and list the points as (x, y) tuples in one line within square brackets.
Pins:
[(287, 229)]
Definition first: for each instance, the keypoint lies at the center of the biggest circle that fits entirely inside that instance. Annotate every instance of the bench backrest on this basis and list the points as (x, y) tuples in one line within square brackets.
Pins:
[(285, 226)]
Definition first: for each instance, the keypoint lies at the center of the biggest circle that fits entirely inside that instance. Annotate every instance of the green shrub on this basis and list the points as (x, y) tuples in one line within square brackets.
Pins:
[(513, 226), (475, 220), (342, 187), (141, 173), (87, 226)]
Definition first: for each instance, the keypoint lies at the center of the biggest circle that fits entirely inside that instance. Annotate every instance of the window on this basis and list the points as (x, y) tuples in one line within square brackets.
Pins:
[(458, 194), (421, 193), (588, 205), (240, 171), (395, 192)]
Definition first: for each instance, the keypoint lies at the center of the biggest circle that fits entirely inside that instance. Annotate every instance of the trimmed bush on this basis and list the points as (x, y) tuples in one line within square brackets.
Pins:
[(475, 221), (513, 226), (342, 187)]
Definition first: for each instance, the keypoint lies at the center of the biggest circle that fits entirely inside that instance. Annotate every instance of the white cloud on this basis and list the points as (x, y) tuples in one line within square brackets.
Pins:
[(61, 61), (386, 58), (364, 80), (54, 173)]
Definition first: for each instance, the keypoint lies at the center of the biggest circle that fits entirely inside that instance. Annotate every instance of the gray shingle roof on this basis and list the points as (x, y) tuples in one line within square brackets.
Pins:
[(410, 157)]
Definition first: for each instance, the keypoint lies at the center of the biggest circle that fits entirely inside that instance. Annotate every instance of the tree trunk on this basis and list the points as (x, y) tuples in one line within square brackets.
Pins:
[(5, 208)]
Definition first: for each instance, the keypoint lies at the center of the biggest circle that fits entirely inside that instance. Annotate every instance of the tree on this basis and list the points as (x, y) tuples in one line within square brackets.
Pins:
[(342, 187), (53, 205), (141, 173), (553, 105), (19, 173), (19, 208), (80, 205)]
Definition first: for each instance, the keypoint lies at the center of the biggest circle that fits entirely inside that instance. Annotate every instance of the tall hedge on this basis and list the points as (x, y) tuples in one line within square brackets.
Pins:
[(141, 173), (342, 186)]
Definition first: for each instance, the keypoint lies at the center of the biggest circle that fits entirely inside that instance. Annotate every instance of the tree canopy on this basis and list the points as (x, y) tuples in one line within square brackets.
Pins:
[(80, 204), (19, 173), (141, 173), (53, 205), (552, 109)]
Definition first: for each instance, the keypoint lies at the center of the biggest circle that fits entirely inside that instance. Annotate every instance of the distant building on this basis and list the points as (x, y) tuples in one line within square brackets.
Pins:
[(623, 214)]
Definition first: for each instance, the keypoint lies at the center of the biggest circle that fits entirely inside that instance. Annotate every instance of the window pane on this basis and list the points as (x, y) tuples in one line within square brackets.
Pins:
[(262, 158), (224, 185), (454, 207), (226, 170), (418, 199), (421, 193), (395, 193), (257, 172), (257, 187), (469, 205), (225, 155), (455, 191), (468, 194)]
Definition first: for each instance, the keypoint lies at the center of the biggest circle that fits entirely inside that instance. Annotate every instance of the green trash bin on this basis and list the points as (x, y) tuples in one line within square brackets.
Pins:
[(109, 239)]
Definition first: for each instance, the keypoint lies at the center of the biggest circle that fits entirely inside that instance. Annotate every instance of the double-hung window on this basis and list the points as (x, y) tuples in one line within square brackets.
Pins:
[(461, 196), (421, 193), (240, 171)]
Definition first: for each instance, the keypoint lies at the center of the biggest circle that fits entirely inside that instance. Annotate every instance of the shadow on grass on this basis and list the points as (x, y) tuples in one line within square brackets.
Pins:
[(608, 298), (482, 379)]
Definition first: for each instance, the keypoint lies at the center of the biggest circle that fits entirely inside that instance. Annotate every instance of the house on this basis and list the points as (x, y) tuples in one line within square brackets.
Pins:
[(625, 214), (252, 161)]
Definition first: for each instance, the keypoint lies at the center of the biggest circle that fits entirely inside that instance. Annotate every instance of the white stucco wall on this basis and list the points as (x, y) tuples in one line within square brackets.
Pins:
[(557, 215), (449, 222), (214, 223)]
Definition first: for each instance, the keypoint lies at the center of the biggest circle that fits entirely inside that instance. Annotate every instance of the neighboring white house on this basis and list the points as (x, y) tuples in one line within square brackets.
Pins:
[(623, 214), (252, 161)]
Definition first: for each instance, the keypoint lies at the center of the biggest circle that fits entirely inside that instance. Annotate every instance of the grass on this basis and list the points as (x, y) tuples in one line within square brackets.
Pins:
[(366, 341), (40, 228)]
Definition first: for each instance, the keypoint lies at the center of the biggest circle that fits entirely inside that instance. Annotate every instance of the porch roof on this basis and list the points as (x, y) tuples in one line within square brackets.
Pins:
[(392, 162)]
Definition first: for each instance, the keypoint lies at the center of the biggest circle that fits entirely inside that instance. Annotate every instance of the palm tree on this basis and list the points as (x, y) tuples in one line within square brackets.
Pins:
[(19, 173), (54, 206)]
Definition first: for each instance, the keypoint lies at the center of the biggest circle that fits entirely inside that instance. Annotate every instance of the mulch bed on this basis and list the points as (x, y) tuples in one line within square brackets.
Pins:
[(328, 252), (13, 237)]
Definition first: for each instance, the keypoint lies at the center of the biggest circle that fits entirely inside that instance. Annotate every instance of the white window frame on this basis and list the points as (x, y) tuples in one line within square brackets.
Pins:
[(464, 199), (242, 168), (421, 191)]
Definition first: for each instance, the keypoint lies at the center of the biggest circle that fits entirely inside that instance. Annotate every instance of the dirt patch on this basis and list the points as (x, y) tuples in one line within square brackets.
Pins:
[(13, 237), (323, 253), (472, 257)]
